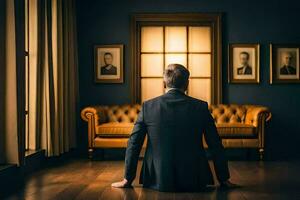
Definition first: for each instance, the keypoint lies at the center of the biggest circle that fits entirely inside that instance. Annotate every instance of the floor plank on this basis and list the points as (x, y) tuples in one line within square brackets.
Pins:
[(83, 179)]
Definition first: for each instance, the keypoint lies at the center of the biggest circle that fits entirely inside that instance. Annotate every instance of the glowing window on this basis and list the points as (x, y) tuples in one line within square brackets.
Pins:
[(186, 45)]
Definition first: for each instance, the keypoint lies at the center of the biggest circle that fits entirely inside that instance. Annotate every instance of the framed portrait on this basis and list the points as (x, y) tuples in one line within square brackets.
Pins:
[(243, 63), (108, 67), (284, 63)]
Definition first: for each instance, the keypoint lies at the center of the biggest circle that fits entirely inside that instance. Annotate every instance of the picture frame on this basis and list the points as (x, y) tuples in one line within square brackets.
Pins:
[(108, 63), (284, 63), (244, 63)]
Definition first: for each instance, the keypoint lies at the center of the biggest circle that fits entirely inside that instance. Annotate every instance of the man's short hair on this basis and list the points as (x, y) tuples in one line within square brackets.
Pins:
[(245, 53), (176, 76), (108, 53)]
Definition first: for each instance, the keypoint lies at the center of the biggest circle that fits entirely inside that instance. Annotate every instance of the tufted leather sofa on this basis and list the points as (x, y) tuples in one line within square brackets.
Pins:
[(239, 126)]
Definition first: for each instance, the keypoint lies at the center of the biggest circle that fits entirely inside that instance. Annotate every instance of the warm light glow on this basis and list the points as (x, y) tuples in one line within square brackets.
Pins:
[(175, 39), (151, 87), (176, 58), (152, 39), (200, 89), (194, 51), (152, 65), (199, 39), (200, 65)]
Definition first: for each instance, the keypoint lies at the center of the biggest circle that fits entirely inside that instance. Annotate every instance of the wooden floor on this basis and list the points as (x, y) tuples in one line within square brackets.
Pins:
[(83, 179)]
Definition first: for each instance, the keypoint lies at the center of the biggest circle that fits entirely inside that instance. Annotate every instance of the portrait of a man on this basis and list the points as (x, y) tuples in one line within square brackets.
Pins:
[(287, 68), (243, 63), (109, 63), (284, 65), (108, 68), (244, 68)]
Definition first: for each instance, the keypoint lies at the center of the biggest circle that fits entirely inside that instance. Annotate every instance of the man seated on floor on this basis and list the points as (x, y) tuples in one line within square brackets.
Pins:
[(175, 159)]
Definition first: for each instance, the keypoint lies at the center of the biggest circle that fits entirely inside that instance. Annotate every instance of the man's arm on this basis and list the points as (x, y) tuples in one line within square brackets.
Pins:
[(216, 148), (134, 147)]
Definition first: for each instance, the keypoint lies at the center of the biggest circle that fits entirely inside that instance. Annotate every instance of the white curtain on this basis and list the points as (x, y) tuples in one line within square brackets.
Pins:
[(53, 76)]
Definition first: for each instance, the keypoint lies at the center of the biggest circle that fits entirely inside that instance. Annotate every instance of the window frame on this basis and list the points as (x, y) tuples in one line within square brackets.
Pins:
[(27, 72), (177, 19)]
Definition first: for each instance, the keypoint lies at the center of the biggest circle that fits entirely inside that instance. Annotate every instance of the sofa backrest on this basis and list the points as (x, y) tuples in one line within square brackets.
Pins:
[(232, 113), (122, 113), (221, 113)]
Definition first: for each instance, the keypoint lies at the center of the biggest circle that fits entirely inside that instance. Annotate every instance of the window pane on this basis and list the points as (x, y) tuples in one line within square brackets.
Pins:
[(176, 58), (152, 65), (176, 40), (151, 87), (200, 65), (199, 39), (152, 39), (26, 133), (26, 103), (200, 89)]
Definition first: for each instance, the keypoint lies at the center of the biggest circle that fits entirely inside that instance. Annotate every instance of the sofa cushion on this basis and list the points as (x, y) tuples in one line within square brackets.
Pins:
[(236, 130), (114, 129), (123, 130)]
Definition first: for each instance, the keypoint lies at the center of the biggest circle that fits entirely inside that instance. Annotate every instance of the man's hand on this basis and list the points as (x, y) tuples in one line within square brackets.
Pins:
[(228, 185), (122, 184)]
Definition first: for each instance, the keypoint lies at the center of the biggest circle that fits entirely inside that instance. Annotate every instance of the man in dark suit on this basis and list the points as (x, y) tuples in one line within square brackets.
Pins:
[(287, 68), (245, 68), (108, 68), (174, 123)]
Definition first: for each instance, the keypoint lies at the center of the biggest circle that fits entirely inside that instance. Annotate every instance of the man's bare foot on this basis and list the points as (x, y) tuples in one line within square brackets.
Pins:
[(228, 185), (121, 184)]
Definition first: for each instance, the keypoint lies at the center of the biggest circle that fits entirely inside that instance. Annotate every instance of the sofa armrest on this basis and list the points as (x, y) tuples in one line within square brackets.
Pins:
[(255, 114), (258, 116), (94, 115), (96, 111)]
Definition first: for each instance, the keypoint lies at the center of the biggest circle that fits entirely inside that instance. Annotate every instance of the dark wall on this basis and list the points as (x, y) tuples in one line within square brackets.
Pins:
[(255, 21)]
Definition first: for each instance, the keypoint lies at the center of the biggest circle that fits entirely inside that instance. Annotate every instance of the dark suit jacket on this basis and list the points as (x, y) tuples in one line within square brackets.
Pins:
[(175, 159), (111, 71), (248, 70), (285, 70)]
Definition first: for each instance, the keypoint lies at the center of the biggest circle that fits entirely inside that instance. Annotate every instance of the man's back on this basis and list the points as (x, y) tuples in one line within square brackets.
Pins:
[(174, 123), (175, 159)]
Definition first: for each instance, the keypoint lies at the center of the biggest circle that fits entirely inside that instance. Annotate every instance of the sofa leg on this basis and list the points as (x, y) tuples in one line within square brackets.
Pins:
[(261, 153), (91, 153)]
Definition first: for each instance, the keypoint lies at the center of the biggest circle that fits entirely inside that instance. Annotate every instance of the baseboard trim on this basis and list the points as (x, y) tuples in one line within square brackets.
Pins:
[(34, 160)]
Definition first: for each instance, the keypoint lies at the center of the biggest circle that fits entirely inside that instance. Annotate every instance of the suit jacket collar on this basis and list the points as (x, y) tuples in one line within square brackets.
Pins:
[(175, 91)]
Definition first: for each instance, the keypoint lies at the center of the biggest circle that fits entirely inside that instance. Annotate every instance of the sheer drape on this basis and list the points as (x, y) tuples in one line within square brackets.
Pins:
[(12, 99), (54, 82), (53, 78)]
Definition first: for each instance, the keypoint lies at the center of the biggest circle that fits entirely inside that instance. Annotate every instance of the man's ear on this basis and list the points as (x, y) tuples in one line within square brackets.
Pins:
[(165, 85)]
